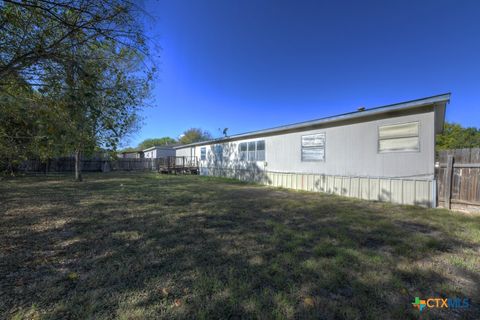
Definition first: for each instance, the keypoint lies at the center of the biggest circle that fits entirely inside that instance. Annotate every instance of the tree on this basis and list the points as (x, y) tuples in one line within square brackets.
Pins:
[(129, 149), (100, 98), (19, 114), (147, 143), (455, 136), (86, 63), (194, 135), (34, 32)]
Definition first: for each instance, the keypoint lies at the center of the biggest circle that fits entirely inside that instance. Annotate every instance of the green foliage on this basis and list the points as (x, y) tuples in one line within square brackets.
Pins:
[(73, 76), (455, 136), (129, 149), (27, 123), (194, 135), (147, 143)]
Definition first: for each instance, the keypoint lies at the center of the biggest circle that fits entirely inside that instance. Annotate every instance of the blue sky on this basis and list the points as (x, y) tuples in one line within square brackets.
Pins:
[(250, 65)]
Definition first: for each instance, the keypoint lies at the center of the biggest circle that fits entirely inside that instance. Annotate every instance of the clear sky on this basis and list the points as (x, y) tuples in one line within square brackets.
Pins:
[(253, 64)]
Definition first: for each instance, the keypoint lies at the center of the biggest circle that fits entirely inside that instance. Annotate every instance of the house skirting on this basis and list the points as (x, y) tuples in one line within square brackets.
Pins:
[(395, 190)]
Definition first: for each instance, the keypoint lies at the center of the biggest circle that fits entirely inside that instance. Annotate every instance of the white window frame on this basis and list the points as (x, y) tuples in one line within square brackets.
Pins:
[(218, 152), (302, 147), (245, 154), (264, 150), (203, 153), (252, 154)]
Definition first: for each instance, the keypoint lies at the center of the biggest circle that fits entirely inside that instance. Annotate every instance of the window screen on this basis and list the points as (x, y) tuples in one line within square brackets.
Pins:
[(251, 151), (203, 153), (313, 147), (260, 150), (399, 137), (242, 151), (218, 152)]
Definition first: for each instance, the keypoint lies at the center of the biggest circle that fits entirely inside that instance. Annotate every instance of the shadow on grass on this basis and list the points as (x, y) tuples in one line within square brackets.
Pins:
[(150, 246)]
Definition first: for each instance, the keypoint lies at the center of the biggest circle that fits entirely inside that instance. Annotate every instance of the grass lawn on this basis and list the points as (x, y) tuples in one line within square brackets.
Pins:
[(142, 245)]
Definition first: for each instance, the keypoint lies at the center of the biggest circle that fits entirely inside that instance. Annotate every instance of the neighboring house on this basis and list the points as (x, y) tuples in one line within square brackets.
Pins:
[(131, 155), (159, 152), (385, 153)]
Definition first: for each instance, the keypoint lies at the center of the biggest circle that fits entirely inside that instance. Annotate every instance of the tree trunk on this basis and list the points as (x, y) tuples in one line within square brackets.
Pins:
[(47, 165), (78, 166), (9, 167)]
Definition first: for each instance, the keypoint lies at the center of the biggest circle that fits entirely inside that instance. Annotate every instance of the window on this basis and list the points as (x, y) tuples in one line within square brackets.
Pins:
[(242, 151), (399, 137), (218, 150), (313, 147), (203, 153), (252, 151), (261, 150)]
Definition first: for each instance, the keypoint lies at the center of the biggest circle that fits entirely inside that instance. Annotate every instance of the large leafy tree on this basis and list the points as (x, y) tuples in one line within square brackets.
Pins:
[(99, 99), (455, 136), (194, 135), (147, 143), (85, 63), (41, 31), (22, 118)]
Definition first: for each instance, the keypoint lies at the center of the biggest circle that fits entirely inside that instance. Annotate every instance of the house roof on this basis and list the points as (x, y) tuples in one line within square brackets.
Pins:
[(438, 100), (159, 147)]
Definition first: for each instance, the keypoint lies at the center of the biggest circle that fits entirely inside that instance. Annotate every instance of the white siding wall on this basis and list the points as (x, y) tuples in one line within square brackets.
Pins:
[(185, 152), (352, 150), (159, 153), (353, 166), (148, 154)]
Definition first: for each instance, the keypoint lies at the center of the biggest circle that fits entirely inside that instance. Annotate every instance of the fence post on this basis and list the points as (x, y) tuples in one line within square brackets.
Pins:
[(448, 181)]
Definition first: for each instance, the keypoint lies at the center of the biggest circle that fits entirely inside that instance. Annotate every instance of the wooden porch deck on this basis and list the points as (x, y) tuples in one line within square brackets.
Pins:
[(178, 165)]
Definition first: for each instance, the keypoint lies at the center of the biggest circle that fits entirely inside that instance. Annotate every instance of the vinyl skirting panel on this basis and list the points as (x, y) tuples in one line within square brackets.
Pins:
[(401, 191)]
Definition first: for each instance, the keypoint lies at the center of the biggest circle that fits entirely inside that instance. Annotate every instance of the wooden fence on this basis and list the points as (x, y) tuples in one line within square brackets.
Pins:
[(458, 178), (63, 164), (67, 164)]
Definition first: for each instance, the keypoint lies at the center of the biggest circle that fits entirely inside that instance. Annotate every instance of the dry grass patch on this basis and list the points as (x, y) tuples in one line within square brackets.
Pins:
[(136, 246)]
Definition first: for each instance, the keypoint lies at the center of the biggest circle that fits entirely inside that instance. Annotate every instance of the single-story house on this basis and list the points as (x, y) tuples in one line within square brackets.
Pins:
[(131, 154), (385, 153), (159, 152)]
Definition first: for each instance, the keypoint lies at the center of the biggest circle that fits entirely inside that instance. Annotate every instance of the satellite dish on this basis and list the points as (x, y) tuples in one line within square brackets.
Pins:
[(225, 132)]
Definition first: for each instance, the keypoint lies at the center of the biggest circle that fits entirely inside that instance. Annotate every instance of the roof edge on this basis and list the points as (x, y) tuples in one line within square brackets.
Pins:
[(158, 147), (410, 104)]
